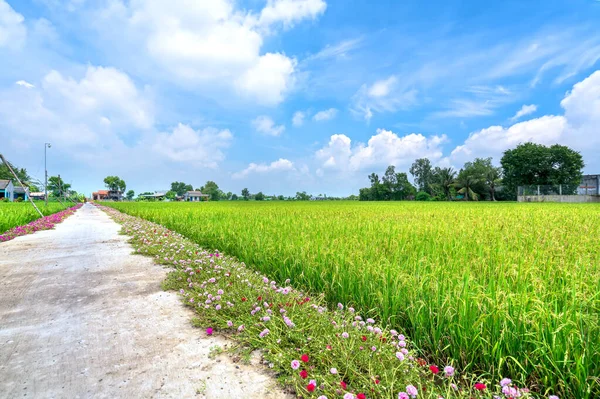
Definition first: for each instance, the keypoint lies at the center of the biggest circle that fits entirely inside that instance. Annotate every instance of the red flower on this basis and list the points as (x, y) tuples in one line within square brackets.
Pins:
[(434, 369), (259, 298), (310, 387), (304, 358), (480, 387), (364, 338), (304, 374), (244, 299), (328, 347), (421, 362), (343, 384), (376, 381), (361, 396)]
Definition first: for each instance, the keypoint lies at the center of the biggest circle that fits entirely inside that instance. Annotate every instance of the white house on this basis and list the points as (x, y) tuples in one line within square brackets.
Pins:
[(7, 190), (195, 196)]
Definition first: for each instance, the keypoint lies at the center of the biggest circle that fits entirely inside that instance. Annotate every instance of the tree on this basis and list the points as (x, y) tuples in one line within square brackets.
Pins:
[(234, 197), (259, 196), (421, 171), (130, 195), (181, 188), (280, 197), (302, 196), (114, 183), (57, 186), (171, 195), (212, 189), (465, 183), (443, 179), (493, 178), (246, 194), (536, 164), (21, 173)]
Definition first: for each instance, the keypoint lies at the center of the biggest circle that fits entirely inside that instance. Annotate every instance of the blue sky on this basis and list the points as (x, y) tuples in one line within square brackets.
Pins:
[(289, 95)]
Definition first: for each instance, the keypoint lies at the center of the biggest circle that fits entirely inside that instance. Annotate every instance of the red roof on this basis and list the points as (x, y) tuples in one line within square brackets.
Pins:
[(101, 192)]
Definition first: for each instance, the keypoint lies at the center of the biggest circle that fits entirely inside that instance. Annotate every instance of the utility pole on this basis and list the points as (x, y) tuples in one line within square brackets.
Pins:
[(46, 145)]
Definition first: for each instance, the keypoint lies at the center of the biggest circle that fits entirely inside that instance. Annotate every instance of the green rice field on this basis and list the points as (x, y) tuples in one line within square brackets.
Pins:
[(502, 288), (13, 214)]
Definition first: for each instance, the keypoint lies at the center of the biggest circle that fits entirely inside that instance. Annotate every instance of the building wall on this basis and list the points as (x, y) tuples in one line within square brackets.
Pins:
[(559, 198)]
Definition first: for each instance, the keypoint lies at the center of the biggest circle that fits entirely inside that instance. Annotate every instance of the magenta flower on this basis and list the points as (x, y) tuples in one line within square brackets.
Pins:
[(209, 331)]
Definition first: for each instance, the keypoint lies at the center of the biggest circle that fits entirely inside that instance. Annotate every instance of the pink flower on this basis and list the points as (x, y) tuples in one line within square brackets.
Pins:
[(229, 323), (400, 356), (403, 395), (333, 370), (304, 358), (345, 335), (264, 333), (449, 371), (349, 396), (412, 391), (295, 364), (209, 331)]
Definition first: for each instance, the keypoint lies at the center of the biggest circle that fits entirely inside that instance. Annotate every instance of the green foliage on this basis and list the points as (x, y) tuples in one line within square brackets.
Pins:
[(181, 188), (130, 194), (234, 197), (393, 187), (57, 187), (536, 164), (423, 196), (443, 183), (170, 195), (212, 189), (246, 194), (114, 183), (423, 174), (302, 196), (5, 173), (259, 196)]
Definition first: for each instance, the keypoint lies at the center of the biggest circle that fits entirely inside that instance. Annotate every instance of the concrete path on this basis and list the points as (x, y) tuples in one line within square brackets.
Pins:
[(82, 317)]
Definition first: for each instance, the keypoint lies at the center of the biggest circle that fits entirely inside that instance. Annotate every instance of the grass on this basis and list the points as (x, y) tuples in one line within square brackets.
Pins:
[(503, 289), (13, 214)]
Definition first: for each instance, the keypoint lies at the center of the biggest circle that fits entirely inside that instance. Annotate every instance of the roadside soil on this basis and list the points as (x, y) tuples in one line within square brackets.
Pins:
[(82, 317)]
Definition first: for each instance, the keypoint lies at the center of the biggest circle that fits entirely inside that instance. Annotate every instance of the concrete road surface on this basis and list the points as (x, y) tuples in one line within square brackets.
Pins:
[(81, 317)]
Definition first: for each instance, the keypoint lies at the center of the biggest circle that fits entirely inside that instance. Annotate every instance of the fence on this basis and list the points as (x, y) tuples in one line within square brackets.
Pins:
[(584, 192)]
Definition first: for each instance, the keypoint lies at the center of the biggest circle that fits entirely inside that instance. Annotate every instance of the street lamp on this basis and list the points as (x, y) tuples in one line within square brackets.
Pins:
[(46, 145)]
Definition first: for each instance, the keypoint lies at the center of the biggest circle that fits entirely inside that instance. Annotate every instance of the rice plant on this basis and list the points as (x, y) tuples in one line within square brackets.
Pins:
[(13, 214), (500, 288)]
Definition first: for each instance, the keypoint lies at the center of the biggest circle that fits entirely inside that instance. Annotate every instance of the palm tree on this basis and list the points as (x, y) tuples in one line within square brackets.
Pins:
[(445, 179), (465, 184)]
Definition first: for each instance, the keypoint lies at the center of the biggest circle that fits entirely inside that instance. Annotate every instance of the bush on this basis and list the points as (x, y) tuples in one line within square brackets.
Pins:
[(19, 199), (423, 196)]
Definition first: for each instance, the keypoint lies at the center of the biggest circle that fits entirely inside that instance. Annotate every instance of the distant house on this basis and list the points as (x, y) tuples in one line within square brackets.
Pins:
[(19, 192), (7, 190), (107, 195), (100, 195), (38, 196), (195, 196)]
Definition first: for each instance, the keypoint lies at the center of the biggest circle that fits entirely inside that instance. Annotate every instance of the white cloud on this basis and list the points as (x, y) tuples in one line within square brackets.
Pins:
[(265, 125), (577, 128), (105, 91), (383, 149), (25, 84), (13, 32), (198, 147), (214, 44), (325, 115), (289, 12), (269, 79), (382, 96), (479, 101), (298, 118), (525, 110), (280, 165)]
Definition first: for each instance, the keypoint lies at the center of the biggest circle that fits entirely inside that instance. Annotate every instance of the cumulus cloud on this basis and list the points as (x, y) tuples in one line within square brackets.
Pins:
[(325, 115), (298, 118), (201, 147), (265, 125), (384, 95), (214, 43), (13, 32), (280, 165), (577, 128), (383, 149), (289, 12), (525, 110)]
